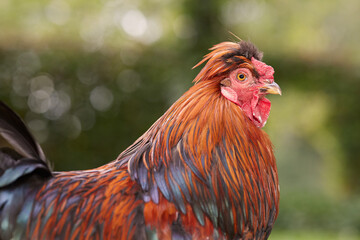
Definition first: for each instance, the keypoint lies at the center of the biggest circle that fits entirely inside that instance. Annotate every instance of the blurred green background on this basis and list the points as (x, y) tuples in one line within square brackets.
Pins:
[(89, 77)]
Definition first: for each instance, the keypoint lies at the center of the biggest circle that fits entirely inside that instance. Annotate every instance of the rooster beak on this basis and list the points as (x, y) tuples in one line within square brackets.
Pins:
[(271, 88)]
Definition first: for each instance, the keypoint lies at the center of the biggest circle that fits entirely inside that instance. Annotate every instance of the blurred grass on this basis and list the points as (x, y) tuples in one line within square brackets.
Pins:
[(311, 235)]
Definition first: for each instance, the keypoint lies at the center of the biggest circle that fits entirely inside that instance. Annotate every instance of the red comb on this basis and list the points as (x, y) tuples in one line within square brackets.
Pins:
[(264, 70)]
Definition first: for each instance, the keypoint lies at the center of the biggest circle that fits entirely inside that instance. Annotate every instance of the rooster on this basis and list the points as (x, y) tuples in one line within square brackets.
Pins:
[(203, 170)]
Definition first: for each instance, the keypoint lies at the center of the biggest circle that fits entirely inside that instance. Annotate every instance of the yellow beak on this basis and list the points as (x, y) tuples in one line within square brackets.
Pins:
[(271, 88)]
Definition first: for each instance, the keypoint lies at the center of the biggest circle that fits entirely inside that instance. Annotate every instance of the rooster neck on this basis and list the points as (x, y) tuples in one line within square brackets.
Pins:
[(204, 154), (204, 119)]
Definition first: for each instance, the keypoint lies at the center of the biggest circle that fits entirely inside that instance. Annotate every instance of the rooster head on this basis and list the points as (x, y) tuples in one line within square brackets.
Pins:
[(242, 77)]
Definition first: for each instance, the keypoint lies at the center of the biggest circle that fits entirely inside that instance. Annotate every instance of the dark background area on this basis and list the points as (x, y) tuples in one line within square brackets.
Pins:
[(90, 77)]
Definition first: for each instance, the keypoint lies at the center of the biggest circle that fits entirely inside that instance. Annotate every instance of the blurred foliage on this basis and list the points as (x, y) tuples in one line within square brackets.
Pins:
[(89, 77)]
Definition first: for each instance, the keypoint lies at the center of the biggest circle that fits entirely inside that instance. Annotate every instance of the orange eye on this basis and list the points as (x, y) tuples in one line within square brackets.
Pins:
[(241, 77)]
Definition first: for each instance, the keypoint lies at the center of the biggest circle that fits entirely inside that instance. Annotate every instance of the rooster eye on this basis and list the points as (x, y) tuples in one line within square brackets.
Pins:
[(241, 77)]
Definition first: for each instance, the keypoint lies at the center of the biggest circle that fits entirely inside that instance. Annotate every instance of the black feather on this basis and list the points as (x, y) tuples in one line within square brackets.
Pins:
[(246, 49), (178, 233), (161, 183), (23, 170), (13, 130)]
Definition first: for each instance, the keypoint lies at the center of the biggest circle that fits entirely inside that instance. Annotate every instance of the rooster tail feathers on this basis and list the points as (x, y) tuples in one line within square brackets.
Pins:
[(12, 169), (23, 169), (25, 157), (14, 131)]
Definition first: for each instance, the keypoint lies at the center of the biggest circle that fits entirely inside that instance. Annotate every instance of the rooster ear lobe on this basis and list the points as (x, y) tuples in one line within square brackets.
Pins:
[(227, 91)]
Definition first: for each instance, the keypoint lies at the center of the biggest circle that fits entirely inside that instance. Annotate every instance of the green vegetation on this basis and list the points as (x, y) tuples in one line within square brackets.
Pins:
[(311, 235)]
